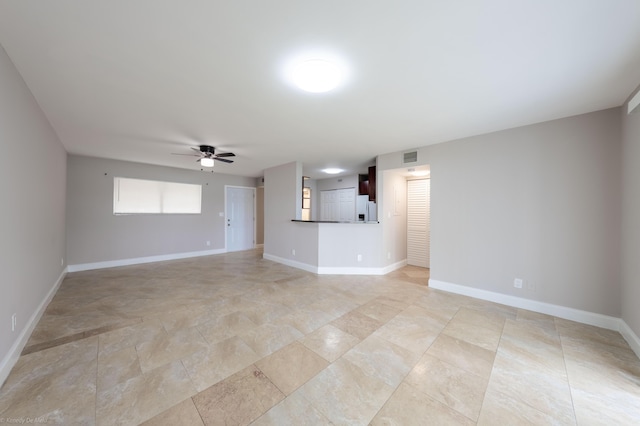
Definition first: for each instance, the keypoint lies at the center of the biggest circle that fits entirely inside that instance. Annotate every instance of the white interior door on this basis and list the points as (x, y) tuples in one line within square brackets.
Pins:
[(418, 222), (240, 217)]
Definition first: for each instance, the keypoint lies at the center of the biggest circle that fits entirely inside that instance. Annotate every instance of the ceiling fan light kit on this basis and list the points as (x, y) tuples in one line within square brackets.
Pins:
[(206, 162)]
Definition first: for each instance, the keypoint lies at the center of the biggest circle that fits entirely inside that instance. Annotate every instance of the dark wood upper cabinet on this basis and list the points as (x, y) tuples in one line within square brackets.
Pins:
[(372, 183), (363, 184)]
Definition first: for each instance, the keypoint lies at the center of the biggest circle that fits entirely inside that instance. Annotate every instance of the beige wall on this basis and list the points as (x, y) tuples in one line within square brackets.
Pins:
[(539, 202), (283, 202), (631, 219), (32, 184), (95, 234)]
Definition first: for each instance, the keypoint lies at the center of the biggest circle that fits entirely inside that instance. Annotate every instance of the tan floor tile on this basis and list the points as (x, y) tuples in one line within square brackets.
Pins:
[(263, 313), (183, 414), (53, 359), (56, 395), (390, 301), (239, 399), (378, 310), (499, 409), (533, 348), (450, 385), (293, 410), (165, 349), (143, 397), (221, 328), (292, 366), (589, 334), (464, 355), (330, 342), (357, 324), (81, 351), (437, 307), (382, 359), (606, 407), (117, 367), (408, 406), (597, 374), (217, 362), (547, 393), (130, 336), (307, 319), (334, 392), (470, 332), (187, 317), (335, 306), (268, 338), (494, 310), (415, 334), (537, 319), (490, 320)]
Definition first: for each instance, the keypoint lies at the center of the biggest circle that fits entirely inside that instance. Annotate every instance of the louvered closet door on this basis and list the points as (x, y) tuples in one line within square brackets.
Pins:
[(418, 222)]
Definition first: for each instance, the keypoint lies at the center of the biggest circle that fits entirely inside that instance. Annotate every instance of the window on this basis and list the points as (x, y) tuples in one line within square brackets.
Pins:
[(137, 196)]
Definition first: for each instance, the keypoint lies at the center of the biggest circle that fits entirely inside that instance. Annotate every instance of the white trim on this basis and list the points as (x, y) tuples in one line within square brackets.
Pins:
[(139, 260), (585, 317), (292, 263), (394, 266), (631, 337), (335, 270), (348, 270), (11, 358)]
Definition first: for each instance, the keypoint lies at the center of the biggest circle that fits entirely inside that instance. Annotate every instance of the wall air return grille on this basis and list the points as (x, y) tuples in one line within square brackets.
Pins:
[(410, 157)]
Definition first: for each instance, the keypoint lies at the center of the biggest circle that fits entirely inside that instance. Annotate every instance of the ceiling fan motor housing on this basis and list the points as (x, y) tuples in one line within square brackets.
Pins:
[(206, 149)]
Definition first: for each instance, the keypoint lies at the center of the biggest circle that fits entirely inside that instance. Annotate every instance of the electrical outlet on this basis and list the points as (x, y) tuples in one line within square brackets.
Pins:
[(208, 243), (293, 252), (389, 255), (62, 261), (517, 283), (14, 322), (359, 258)]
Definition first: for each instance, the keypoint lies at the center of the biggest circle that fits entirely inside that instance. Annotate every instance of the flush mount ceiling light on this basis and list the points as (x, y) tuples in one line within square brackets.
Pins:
[(317, 75), (206, 162), (316, 70), (332, 171)]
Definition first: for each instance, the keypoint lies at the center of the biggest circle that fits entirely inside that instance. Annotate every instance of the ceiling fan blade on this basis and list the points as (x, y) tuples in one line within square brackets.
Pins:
[(226, 154), (223, 160), (196, 150), (190, 155)]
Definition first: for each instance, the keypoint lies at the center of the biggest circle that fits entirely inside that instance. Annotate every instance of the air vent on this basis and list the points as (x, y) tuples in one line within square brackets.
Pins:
[(410, 157)]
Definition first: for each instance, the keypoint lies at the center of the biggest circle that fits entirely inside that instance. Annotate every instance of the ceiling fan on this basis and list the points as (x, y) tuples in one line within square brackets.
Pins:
[(207, 155)]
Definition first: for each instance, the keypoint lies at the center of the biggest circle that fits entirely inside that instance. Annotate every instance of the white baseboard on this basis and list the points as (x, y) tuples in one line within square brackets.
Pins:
[(292, 263), (11, 358), (394, 266), (140, 260), (585, 317), (335, 270), (631, 337)]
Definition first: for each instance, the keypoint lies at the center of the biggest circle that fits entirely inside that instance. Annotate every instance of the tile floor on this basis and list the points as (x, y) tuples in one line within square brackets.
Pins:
[(235, 339)]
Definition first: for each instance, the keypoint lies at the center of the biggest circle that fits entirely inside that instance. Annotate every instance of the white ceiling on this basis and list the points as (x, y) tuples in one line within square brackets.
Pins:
[(139, 80)]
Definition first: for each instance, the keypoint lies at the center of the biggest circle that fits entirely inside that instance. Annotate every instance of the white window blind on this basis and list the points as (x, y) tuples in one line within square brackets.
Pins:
[(138, 196)]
